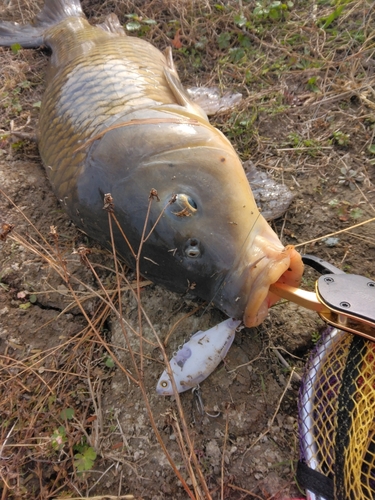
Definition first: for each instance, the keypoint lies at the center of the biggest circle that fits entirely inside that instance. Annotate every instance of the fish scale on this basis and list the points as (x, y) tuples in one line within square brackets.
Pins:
[(112, 87)]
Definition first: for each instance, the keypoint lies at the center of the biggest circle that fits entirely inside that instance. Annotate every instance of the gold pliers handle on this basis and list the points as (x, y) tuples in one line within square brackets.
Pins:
[(345, 301)]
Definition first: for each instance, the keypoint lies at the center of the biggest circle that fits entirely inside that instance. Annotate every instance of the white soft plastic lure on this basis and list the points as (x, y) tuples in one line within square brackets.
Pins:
[(198, 357)]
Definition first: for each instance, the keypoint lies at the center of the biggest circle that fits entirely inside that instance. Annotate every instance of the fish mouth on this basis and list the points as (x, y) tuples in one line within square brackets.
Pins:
[(283, 266), (274, 263), (244, 292)]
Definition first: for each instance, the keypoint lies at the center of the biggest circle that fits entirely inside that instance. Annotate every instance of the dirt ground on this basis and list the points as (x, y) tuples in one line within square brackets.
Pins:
[(73, 422)]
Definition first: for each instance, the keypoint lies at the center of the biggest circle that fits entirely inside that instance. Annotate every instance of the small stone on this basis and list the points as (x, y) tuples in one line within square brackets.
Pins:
[(213, 451), (4, 311)]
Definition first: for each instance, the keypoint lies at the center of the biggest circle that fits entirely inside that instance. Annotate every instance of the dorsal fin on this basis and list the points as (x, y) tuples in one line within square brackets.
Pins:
[(112, 25), (54, 11)]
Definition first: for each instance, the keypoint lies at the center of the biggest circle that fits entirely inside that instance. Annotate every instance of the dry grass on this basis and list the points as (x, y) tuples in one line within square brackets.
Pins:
[(40, 431), (302, 83), (28, 437)]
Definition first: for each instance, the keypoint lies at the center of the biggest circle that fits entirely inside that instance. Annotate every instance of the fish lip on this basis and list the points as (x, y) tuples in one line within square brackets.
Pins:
[(243, 292), (283, 266), (258, 301)]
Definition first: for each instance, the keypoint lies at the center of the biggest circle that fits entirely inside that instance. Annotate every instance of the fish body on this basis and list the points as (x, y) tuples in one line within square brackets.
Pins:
[(115, 119), (198, 357)]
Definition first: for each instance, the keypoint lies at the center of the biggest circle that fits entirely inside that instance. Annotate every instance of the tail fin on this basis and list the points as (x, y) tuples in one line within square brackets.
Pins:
[(32, 35)]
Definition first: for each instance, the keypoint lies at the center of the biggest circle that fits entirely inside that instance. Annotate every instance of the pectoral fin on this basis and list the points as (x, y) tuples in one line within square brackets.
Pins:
[(180, 94)]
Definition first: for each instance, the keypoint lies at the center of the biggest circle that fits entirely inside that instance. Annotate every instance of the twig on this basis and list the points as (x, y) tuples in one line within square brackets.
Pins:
[(6, 439), (336, 232), (234, 487), (187, 315), (103, 497), (273, 416), (284, 362), (140, 382), (100, 478), (223, 454)]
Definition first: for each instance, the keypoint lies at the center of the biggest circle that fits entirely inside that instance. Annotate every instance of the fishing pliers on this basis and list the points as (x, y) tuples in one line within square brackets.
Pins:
[(345, 301)]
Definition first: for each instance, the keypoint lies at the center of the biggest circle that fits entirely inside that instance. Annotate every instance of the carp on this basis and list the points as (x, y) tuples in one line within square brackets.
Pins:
[(116, 119)]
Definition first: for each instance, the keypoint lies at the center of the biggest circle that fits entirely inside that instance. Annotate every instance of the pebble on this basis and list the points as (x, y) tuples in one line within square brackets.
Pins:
[(4, 311)]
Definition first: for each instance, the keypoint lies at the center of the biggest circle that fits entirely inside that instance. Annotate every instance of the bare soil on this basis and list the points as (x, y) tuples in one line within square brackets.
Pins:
[(52, 358)]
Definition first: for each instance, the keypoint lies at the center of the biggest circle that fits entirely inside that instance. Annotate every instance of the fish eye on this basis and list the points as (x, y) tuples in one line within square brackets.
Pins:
[(183, 205), (164, 384), (191, 202), (192, 249)]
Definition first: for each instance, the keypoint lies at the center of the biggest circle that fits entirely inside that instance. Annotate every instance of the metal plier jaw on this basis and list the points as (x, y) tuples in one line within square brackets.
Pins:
[(346, 301)]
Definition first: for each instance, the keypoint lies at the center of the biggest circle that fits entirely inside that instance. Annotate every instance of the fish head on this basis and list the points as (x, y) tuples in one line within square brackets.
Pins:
[(202, 233)]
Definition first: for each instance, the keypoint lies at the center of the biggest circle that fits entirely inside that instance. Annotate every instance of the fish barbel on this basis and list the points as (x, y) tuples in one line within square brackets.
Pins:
[(116, 119)]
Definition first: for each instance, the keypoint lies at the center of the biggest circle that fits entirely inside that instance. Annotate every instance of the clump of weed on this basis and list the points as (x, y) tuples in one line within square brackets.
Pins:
[(346, 210), (349, 177), (273, 10), (341, 138)]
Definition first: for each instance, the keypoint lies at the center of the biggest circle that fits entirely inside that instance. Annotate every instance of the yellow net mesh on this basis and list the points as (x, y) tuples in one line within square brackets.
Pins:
[(337, 415)]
